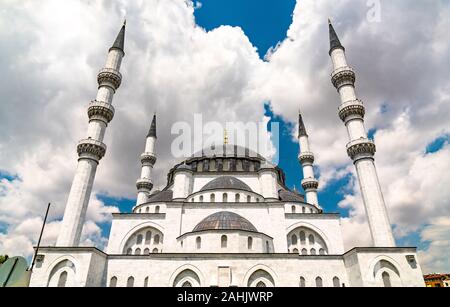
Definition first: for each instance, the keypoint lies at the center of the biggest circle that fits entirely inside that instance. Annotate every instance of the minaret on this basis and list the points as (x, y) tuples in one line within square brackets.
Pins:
[(360, 149), (91, 150), (306, 158), (148, 160)]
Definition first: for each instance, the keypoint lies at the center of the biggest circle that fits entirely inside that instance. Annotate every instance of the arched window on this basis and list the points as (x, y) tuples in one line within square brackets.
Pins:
[(224, 242), (137, 251), (302, 237), (156, 239), (386, 280), (319, 282), (199, 242), (147, 210), (201, 198), (294, 240), (257, 200), (139, 239), (336, 282), (322, 252), (155, 251), (302, 282), (249, 199), (113, 282), (157, 209), (261, 284), (129, 251), (140, 211), (303, 210), (295, 251), (148, 237), (250, 243), (146, 282), (311, 239), (187, 284), (267, 247), (304, 252), (147, 251), (238, 198), (225, 197), (62, 280), (130, 282), (213, 198), (313, 251), (294, 210)]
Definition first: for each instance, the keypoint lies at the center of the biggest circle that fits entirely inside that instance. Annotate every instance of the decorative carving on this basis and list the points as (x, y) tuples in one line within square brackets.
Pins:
[(310, 184), (352, 108), (306, 158), (343, 76), (101, 111), (148, 159), (91, 149), (361, 147), (110, 77), (144, 185)]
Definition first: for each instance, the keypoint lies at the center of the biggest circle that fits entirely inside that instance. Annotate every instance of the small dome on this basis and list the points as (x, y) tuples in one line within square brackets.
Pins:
[(225, 221), (289, 196), (226, 182)]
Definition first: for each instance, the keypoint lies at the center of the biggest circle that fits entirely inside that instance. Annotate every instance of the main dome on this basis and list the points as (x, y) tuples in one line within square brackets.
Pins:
[(227, 151), (226, 182), (225, 221)]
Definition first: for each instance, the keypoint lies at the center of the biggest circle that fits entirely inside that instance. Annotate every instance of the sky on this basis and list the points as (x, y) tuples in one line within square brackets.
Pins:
[(230, 61)]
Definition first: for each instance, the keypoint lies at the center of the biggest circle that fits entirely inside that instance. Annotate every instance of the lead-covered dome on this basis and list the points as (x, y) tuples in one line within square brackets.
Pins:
[(227, 183), (225, 221)]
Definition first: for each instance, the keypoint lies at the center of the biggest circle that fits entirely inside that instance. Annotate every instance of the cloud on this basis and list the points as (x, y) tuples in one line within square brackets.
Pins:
[(49, 62)]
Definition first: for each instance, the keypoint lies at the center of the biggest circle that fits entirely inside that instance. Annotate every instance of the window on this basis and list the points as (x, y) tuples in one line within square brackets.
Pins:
[(295, 251), (155, 251), (250, 243), (199, 243), (147, 210), (140, 210), (302, 237), (156, 239), (302, 282), (146, 282), (267, 247), (224, 241), (294, 210), (319, 282), (249, 199), (137, 251), (130, 282), (129, 251), (238, 198), (139, 239), (303, 210), (147, 251), (261, 284), (113, 282), (311, 239), (304, 252), (225, 197), (213, 198), (313, 251), (148, 237), (201, 198), (294, 240), (336, 282), (187, 284), (257, 200), (157, 209), (386, 280), (322, 252), (62, 280)]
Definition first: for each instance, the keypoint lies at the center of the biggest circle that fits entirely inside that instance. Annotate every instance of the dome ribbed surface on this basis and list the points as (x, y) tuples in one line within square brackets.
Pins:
[(226, 182)]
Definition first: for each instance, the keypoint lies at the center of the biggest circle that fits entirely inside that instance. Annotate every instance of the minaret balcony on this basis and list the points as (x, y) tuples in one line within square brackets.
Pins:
[(352, 109), (343, 76), (306, 158), (91, 149), (148, 159), (102, 111), (361, 148), (144, 185), (310, 184), (110, 77)]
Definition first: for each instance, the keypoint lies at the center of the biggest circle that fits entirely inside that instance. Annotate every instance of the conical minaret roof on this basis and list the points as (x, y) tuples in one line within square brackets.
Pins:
[(119, 43), (301, 126), (152, 131), (334, 39)]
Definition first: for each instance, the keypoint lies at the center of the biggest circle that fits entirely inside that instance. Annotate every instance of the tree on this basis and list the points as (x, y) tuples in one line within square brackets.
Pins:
[(3, 259)]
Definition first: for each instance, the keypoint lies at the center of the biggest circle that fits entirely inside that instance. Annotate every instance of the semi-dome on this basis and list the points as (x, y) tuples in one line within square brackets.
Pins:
[(225, 221), (226, 182)]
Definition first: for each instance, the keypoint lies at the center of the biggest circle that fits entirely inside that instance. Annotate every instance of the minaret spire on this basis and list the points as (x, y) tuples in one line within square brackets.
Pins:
[(148, 160), (119, 43), (306, 158), (360, 149), (335, 43), (92, 149)]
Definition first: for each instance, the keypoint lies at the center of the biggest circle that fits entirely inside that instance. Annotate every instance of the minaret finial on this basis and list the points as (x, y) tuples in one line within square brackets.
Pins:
[(335, 43)]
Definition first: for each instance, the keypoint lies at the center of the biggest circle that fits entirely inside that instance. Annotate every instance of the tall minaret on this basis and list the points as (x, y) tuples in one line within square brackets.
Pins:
[(148, 159), (306, 158), (360, 149), (91, 150)]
